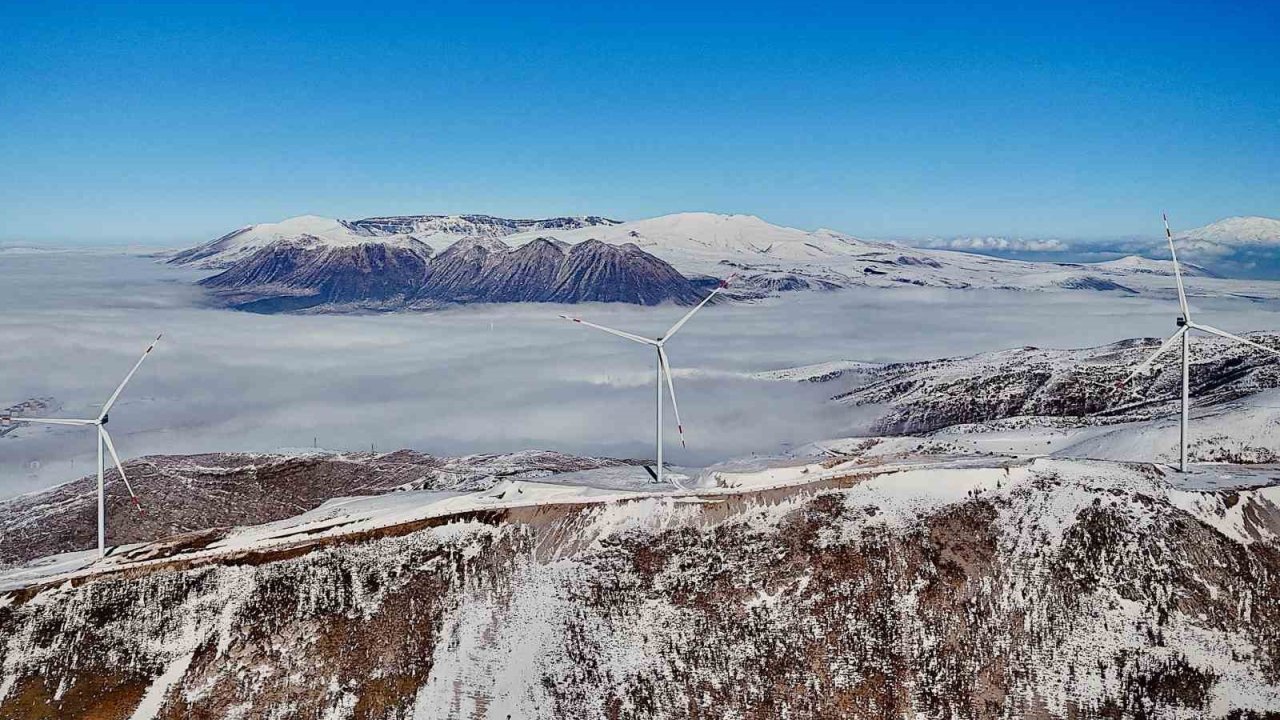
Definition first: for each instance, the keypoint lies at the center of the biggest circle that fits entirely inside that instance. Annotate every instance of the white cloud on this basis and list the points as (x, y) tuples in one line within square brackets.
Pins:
[(981, 244)]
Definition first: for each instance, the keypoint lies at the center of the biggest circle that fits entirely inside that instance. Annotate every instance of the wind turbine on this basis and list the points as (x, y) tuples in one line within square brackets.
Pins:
[(663, 368), (104, 440), (1183, 334)]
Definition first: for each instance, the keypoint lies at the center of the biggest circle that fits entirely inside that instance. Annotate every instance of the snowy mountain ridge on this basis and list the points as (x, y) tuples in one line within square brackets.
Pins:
[(435, 231), (903, 587)]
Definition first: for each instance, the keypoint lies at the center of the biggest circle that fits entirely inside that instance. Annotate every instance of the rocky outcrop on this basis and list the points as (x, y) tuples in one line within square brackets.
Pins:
[(594, 271), (289, 275)]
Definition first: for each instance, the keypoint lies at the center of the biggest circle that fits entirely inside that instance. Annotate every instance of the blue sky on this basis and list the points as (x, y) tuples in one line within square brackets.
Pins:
[(155, 122)]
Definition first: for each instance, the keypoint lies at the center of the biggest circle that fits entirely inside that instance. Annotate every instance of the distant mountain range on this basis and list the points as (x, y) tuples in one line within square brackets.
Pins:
[(441, 230), (311, 263)]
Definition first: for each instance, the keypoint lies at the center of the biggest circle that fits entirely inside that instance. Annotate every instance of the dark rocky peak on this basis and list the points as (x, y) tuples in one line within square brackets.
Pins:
[(474, 248), (595, 271), (526, 274), (593, 246), (542, 247), (267, 266)]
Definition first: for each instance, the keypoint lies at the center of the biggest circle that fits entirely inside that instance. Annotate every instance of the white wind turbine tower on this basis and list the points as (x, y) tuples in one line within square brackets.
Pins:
[(663, 368), (1183, 334), (104, 440)]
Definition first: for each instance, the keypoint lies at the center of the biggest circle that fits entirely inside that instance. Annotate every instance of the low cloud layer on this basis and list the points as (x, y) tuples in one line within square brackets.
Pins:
[(481, 379)]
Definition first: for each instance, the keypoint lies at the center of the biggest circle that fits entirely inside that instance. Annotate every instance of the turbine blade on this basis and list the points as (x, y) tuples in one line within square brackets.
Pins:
[(52, 421), (611, 331), (676, 328), (1237, 338), (111, 447), (112, 400), (1146, 364), (671, 386), (1177, 269)]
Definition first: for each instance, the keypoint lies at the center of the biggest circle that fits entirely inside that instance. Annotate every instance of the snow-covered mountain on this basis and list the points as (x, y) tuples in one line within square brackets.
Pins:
[(293, 275), (766, 258), (438, 231), (1234, 231), (304, 272), (910, 586), (1138, 265)]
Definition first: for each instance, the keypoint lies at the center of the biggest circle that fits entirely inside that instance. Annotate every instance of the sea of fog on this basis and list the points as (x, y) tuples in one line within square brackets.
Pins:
[(478, 379)]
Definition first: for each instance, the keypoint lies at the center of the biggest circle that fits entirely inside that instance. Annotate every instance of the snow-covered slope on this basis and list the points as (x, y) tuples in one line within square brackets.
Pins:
[(305, 230), (1135, 264), (917, 587), (1242, 430), (190, 493), (719, 237)]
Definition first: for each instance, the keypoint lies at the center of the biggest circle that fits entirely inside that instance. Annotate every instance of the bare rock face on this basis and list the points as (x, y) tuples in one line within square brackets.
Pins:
[(290, 275), (182, 494), (1045, 589), (595, 271), (458, 273), (526, 274)]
